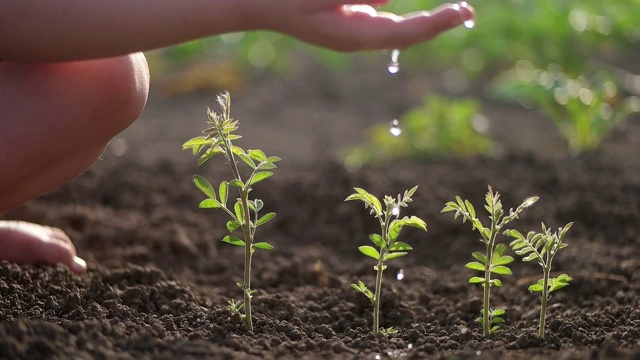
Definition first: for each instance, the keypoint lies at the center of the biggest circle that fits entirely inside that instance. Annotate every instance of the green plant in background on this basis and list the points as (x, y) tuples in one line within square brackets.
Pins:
[(492, 261), (585, 109), (439, 128), (245, 212), (387, 245), (542, 247)]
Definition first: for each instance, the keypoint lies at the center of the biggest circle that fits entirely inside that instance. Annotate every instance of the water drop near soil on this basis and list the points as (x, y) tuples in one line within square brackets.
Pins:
[(394, 65), (395, 129)]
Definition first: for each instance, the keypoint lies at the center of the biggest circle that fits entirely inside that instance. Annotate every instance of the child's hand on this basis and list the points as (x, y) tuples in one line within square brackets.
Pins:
[(344, 26)]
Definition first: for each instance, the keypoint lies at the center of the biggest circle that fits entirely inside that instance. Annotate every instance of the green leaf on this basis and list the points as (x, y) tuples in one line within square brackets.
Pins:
[(497, 320), (204, 186), (476, 280), (223, 191), (369, 251), (536, 288), (257, 155), (232, 225), (211, 152), (237, 183), (503, 260), (209, 204), (501, 270), (563, 278), (259, 176), (557, 285), (247, 160), (495, 282), (415, 222), (475, 266), (377, 240), (493, 329), (262, 245), (368, 199), (400, 246), (233, 240), (394, 255), (256, 205), (237, 208), (394, 230), (265, 218), (499, 250), (480, 257), (498, 312), (196, 144)]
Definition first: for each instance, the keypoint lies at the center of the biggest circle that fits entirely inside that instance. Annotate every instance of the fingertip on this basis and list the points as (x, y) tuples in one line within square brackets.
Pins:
[(78, 265), (467, 11)]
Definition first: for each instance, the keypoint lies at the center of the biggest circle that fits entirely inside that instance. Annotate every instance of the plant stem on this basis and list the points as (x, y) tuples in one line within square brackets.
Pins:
[(248, 240), (487, 285), (486, 321), (543, 301), (376, 297)]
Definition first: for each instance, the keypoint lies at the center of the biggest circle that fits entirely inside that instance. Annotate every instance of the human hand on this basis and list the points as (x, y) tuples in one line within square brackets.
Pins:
[(344, 26)]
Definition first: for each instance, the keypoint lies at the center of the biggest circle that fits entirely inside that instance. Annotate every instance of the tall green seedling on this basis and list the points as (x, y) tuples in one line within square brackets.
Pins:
[(386, 243), (493, 260), (542, 247), (244, 212)]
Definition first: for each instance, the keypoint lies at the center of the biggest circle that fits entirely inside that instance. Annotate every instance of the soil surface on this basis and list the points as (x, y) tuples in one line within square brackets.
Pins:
[(159, 277)]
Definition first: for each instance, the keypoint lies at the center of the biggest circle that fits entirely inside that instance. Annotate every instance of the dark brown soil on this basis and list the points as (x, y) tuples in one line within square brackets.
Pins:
[(160, 277)]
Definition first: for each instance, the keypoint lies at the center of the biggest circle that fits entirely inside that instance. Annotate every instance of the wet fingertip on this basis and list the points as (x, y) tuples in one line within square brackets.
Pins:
[(467, 11), (79, 265)]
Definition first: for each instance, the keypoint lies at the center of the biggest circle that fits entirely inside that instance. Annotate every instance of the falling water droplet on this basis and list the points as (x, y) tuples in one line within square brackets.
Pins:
[(394, 65), (400, 274), (377, 357), (395, 129), (469, 24)]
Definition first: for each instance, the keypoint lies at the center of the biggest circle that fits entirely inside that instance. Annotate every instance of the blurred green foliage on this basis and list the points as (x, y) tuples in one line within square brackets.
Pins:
[(439, 128), (579, 37), (585, 109)]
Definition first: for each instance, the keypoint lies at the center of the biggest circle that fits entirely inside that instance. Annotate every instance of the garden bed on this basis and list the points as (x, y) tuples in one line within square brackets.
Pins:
[(159, 277)]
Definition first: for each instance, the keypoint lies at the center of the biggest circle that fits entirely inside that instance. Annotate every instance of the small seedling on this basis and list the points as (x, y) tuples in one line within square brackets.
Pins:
[(542, 247), (492, 261), (388, 246), (245, 212)]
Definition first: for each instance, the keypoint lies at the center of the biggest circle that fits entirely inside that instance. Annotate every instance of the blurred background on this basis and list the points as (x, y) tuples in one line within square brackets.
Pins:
[(575, 64)]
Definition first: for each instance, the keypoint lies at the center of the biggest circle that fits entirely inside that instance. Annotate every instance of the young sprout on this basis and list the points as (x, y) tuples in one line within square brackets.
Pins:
[(387, 245), (492, 261), (245, 212), (542, 247)]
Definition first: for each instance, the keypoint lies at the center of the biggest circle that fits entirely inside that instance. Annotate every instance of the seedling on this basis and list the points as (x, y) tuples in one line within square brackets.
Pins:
[(245, 212), (387, 245), (492, 261), (542, 247)]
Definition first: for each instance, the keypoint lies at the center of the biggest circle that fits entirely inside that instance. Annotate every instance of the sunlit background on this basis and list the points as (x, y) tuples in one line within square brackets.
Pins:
[(575, 61)]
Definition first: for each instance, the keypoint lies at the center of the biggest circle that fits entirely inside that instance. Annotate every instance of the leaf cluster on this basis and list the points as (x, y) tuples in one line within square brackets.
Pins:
[(493, 206), (218, 140), (495, 318), (390, 222), (542, 247)]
